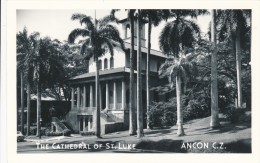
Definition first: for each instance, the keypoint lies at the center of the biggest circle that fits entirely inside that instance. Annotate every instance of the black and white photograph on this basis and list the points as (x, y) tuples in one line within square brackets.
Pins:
[(133, 81), (130, 82)]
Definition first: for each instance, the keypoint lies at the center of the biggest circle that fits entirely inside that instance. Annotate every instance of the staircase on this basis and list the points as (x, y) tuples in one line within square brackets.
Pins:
[(58, 125)]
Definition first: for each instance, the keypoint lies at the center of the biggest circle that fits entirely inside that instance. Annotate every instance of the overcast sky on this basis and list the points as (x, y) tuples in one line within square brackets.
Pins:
[(57, 24)]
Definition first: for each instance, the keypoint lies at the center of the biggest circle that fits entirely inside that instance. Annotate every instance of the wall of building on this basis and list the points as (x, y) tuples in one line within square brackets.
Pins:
[(119, 59)]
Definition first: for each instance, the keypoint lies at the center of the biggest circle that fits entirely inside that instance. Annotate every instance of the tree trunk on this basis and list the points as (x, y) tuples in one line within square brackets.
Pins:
[(214, 123), (22, 104), (140, 132), (28, 108), (238, 66), (38, 108), (132, 113), (179, 124), (97, 98), (148, 72)]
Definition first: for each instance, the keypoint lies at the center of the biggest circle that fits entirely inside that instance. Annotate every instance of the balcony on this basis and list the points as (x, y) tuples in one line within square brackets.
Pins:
[(86, 110)]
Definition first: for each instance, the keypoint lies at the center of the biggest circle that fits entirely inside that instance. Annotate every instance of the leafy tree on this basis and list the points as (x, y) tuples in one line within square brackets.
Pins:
[(176, 40), (233, 26), (154, 18), (27, 47), (96, 34)]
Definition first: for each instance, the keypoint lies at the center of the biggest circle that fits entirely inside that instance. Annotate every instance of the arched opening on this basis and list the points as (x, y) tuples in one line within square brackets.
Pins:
[(105, 64), (99, 64), (128, 31), (111, 62)]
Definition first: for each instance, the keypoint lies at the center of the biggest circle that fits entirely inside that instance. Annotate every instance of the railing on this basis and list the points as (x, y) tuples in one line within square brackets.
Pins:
[(118, 107), (86, 110)]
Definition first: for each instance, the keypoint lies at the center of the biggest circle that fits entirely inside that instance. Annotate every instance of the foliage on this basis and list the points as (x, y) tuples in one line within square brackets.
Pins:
[(66, 132), (54, 133), (235, 115), (87, 133)]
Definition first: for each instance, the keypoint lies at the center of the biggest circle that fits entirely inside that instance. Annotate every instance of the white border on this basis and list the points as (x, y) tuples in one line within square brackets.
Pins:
[(13, 157)]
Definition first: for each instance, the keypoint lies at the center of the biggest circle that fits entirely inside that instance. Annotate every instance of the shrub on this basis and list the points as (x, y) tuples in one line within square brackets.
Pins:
[(87, 133), (54, 133), (161, 114), (66, 132), (235, 115)]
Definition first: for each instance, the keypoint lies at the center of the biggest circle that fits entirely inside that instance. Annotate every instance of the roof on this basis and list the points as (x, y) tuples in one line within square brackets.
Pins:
[(103, 72), (109, 72), (145, 50)]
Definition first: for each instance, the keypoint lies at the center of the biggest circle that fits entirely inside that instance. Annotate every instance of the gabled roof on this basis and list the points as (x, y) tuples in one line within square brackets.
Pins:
[(145, 50)]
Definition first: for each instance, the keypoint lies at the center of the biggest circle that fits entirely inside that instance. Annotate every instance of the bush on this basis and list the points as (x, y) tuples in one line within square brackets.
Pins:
[(66, 132), (87, 133), (235, 115), (54, 133), (161, 114)]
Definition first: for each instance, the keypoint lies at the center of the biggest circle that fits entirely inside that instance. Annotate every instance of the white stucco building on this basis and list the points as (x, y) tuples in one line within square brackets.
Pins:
[(114, 87)]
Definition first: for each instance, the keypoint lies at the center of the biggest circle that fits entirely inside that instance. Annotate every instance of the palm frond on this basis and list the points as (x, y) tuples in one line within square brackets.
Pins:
[(76, 33), (106, 20), (83, 19)]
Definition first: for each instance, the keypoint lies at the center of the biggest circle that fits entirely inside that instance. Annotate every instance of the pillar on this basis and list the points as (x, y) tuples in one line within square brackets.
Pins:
[(100, 97), (78, 97), (84, 96), (107, 95), (89, 125), (90, 95), (115, 96), (123, 95), (72, 98), (84, 123)]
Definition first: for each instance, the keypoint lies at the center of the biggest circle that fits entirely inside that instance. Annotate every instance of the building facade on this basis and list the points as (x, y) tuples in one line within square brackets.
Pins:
[(114, 87)]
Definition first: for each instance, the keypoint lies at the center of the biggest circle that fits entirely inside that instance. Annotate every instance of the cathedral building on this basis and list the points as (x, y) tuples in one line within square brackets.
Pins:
[(114, 78)]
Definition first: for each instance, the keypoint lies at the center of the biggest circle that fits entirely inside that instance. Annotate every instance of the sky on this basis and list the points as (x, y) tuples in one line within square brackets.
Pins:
[(57, 24)]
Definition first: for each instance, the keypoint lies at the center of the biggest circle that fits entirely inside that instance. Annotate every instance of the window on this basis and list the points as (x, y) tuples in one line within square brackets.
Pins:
[(111, 62), (105, 64), (99, 64)]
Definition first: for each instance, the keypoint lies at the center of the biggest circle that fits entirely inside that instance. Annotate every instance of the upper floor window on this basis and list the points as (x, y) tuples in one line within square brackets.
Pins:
[(99, 64), (105, 64), (111, 62)]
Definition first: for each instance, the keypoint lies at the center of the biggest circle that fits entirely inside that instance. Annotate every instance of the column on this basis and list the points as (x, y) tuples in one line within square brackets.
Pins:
[(72, 98), (89, 125), (90, 95), (115, 96), (84, 96), (78, 97), (100, 97), (107, 95), (79, 121), (84, 123), (123, 95)]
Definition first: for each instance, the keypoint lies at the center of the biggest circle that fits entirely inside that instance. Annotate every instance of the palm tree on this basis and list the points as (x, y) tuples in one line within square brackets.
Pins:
[(154, 18), (97, 33), (178, 69), (132, 115), (214, 122), (233, 25), (176, 37), (26, 48), (140, 132)]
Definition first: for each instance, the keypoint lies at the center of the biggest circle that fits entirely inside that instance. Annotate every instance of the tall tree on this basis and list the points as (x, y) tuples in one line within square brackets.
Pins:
[(233, 25), (26, 48), (154, 18), (140, 132), (132, 117), (96, 33), (132, 112), (214, 122), (176, 37)]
